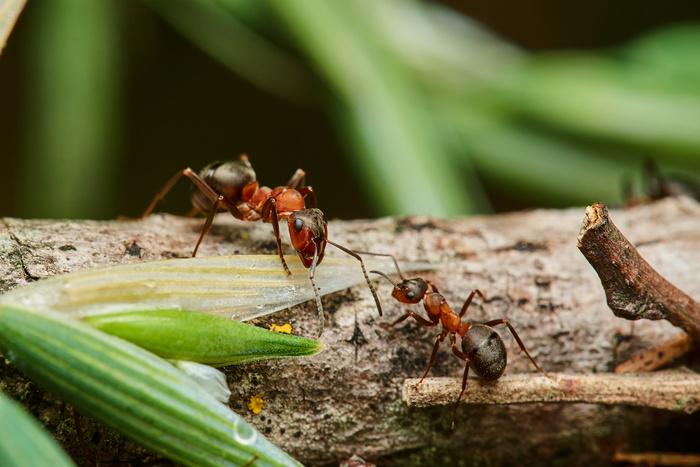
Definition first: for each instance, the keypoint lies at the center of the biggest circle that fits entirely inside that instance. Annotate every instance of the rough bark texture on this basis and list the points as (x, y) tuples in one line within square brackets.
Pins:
[(633, 288), (347, 400)]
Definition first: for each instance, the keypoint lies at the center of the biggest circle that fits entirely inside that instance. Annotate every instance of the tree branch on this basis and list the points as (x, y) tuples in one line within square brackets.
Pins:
[(669, 391)]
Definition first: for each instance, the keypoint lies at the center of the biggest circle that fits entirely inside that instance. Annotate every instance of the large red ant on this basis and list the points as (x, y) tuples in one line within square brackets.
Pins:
[(232, 186), (482, 347)]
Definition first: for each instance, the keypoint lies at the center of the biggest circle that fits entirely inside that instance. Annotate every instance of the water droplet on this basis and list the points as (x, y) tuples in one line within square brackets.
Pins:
[(242, 432)]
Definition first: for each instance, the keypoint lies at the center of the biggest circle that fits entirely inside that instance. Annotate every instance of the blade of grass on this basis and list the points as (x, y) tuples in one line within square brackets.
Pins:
[(131, 390)]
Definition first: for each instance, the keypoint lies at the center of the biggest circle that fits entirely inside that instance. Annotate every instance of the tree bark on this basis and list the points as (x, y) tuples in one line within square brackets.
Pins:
[(348, 399)]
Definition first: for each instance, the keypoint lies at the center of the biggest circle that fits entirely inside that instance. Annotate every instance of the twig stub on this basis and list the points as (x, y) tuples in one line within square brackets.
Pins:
[(633, 289)]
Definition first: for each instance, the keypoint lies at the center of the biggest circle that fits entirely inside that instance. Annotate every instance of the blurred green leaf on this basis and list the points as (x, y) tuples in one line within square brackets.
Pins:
[(72, 123), (213, 27), (410, 87), (23, 442)]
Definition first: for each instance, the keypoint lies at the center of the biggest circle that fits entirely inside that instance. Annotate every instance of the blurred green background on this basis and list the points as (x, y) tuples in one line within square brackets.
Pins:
[(392, 107)]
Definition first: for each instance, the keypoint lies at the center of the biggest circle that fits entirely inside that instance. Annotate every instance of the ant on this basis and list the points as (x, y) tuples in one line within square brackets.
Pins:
[(232, 186), (482, 347), (658, 186)]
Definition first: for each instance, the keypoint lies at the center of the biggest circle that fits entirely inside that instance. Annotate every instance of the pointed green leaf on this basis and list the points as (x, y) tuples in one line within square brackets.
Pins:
[(203, 338)]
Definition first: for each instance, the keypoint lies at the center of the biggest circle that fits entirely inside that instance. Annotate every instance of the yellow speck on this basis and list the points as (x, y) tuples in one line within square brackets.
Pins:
[(286, 328), (256, 404)]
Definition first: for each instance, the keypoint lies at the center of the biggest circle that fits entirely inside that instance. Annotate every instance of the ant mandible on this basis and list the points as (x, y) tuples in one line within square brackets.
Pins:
[(482, 347), (232, 186)]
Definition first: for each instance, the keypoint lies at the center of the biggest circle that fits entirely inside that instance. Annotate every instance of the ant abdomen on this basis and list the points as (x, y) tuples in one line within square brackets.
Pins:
[(486, 351), (227, 178)]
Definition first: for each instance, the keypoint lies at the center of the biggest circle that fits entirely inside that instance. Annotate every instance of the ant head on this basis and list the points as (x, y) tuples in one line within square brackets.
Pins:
[(308, 231), (408, 290)]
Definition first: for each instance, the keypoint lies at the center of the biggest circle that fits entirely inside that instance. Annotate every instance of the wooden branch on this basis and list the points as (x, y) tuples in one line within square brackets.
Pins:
[(659, 356), (669, 391), (633, 288), (347, 399), (673, 459)]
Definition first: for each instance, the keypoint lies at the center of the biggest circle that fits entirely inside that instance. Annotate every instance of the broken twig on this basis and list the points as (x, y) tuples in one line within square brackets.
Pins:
[(633, 289), (658, 458), (661, 390), (661, 355)]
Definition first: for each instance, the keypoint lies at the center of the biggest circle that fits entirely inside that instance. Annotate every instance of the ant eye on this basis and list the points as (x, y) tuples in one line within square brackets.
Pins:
[(410, 295), (298, 224)]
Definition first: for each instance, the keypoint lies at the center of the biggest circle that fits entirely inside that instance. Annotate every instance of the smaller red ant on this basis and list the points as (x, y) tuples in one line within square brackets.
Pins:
[(232, 186), (482, 347)]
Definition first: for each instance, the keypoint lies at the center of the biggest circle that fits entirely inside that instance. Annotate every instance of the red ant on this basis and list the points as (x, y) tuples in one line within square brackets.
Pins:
[(232, 186), (482, 347)]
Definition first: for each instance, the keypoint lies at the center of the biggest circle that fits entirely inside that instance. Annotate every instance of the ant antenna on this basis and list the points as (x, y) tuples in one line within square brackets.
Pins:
[(396, 263), (312, 270), (364, 271), (380, 273)]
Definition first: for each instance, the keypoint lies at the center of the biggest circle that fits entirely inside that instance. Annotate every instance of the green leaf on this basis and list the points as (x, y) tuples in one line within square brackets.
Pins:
[(131, 390), (203, 338), (24, 442)]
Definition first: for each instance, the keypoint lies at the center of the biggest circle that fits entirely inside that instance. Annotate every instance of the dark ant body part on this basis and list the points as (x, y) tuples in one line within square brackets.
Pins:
[(482, 348), (232, 186), (659, 186)]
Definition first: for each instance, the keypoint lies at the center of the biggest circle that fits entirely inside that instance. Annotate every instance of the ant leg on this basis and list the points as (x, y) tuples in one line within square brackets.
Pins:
[(100, 444), (319, 306), (462, 331), (163, 191), (364, 271), (251, 462), (422, 321), (461, 356), (469, 301), (312, 196), (203, 186), (496, 322), (438, 341), (81, 437), (270, 208), (297, 179), (207, 224)]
